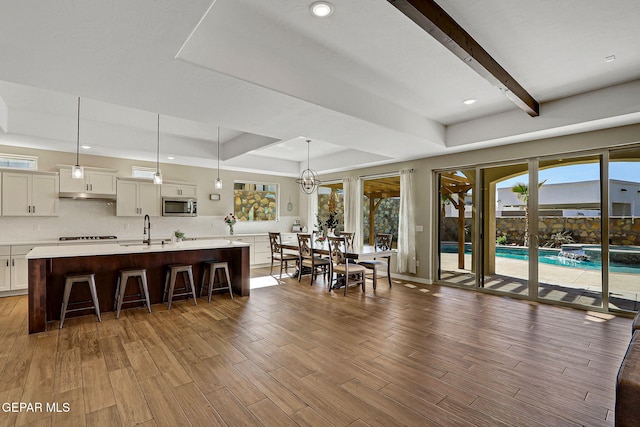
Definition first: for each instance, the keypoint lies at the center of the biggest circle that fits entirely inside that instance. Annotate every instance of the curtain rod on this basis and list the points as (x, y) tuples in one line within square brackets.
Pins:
[(380, 175)]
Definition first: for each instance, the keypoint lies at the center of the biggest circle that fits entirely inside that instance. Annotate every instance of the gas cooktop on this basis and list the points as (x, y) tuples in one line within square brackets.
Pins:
[(88, 238)]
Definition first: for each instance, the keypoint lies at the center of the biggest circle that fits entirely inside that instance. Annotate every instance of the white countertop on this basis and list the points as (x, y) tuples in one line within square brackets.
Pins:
[(87, 249)]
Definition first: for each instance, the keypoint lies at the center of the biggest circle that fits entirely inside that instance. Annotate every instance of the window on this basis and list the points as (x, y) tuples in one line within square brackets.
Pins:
[(142, 172), (330, 208), (12, 161), (381, 207), (255, 201)]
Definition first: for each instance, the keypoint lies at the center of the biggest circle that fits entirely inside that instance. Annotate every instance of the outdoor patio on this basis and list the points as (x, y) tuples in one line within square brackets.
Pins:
[(557, 283)]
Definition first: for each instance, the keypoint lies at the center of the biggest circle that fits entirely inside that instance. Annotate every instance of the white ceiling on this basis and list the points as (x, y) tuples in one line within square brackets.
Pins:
[(366, 84)]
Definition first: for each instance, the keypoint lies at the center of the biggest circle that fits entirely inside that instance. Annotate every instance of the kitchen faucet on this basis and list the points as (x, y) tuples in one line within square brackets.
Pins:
[(147, 230)]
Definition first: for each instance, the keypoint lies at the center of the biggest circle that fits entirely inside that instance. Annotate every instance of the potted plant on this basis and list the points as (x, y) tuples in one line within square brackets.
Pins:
[(179, 235)]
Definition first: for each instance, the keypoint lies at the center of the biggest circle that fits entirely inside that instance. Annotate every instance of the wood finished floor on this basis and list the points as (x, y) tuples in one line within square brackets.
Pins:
[(297, 355)]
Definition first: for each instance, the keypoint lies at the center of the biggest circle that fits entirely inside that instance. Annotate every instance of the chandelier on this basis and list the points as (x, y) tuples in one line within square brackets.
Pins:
[(308, 181)]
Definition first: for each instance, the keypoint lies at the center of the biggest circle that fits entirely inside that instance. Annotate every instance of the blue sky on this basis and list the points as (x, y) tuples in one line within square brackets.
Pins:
[(625, 171)]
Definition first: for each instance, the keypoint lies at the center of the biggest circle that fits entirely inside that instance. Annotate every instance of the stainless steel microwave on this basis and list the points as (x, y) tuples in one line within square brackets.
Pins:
[(179, 207)]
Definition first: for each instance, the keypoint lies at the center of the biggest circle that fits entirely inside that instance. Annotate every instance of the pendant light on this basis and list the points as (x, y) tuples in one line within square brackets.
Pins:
[(77, 171), (308, 181), (218, 180), (157, 177)]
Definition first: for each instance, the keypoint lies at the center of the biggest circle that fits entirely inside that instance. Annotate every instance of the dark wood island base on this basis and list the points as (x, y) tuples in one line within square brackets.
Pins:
[(46, 277)]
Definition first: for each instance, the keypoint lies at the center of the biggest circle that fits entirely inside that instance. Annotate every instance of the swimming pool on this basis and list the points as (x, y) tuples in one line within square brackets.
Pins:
[(550, 256)]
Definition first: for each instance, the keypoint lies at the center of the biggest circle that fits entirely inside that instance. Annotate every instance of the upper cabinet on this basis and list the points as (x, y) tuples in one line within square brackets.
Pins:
[(179, 190), (137, 198), (29, 194), (98, 183)]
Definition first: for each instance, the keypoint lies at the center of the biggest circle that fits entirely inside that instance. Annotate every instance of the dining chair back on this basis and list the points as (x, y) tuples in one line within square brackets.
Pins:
[(278, 254), (348, 273), (349, 238), (382, 243), (309, 261)]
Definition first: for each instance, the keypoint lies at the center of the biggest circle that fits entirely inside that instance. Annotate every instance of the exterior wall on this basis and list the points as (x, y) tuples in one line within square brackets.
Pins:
[(622, 231), (386, 218)]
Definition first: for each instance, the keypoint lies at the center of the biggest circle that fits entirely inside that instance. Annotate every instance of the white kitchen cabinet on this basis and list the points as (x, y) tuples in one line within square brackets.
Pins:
[(179, 190), (95, 182), (260, 247), (20, 266), (262, 250), (137, 198), (29, 194), (14, 269), (5, 268)]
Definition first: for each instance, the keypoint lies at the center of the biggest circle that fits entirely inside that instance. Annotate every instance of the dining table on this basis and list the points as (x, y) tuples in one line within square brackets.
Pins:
[(355, 253)]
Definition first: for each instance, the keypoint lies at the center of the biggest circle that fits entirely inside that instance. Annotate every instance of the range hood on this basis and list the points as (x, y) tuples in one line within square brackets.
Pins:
[(87, 196)]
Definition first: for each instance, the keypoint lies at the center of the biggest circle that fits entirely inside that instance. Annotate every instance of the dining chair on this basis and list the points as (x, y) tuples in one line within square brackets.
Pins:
[(349, 238), (382, 243), (351, 274), (279, 255), (310, 260)]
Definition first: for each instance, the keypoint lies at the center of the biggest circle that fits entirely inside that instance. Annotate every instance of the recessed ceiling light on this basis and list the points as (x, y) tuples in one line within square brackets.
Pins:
[(610, 58), (321, 9), (85, 147), (470, 101), (170, 157)]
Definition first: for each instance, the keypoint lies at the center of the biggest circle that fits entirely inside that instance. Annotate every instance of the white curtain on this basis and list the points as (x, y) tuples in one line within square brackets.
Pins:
[(312, 210), (352, 187), (406, 261)]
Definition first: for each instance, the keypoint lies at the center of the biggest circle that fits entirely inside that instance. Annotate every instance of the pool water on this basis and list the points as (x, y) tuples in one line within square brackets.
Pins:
[(567, 262), (546, 256)]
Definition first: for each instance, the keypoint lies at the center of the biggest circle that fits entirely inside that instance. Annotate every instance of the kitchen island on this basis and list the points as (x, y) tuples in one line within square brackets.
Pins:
[(48, 266)]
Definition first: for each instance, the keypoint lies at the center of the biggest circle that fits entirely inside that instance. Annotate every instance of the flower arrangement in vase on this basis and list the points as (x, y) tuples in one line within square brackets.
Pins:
[(230, 220), (177, 237)]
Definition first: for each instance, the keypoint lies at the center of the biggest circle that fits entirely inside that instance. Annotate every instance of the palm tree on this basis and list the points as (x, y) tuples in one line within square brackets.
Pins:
[(522, 193)]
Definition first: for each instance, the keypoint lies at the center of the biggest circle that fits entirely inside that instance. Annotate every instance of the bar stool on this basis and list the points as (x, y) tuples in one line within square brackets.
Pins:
[(121, 288), (212, 266), (170, 282), (69, 281)]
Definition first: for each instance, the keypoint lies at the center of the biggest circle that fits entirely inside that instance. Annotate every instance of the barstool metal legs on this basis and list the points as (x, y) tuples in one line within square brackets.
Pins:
[(170, 283), (70, 280), (212, 267), (121, 287)]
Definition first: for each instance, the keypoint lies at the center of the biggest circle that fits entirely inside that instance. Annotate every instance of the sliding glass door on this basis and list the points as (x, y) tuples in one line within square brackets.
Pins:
[(456, 211), (569, 234), (624, 230), (505, 222), (563, 230)]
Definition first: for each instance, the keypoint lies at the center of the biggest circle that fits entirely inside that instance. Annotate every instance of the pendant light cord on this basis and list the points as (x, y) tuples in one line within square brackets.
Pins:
[(158, 151), (78, 136), (218, 152)]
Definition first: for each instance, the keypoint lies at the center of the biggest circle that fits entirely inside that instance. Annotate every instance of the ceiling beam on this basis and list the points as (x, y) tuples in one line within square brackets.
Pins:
[(435, 21)]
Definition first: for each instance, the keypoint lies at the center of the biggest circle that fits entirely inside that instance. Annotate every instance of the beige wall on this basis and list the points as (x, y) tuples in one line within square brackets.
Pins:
[(211, 213), (87, 217)]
